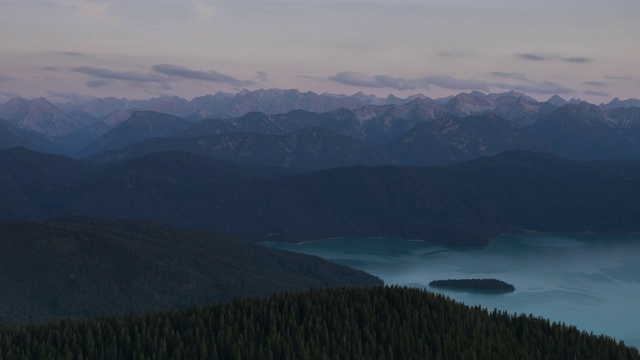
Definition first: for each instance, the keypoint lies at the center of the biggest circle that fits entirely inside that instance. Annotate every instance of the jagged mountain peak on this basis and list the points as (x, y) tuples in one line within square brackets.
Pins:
[(13, 108), (41, 116), (116, 117), (585, 106), (141, 125), (466, 104), (557, 100)]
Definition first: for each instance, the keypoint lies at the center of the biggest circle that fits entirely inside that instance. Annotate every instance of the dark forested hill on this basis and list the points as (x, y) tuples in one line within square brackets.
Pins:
[(140, 126), (86, 267), (464, 204), (372, 323)]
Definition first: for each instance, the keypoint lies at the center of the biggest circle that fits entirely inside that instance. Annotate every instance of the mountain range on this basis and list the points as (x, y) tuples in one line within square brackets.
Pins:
[(413, 131)]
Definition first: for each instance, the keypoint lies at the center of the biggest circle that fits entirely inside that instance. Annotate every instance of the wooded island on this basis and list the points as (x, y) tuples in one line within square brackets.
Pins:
[(491, 285)]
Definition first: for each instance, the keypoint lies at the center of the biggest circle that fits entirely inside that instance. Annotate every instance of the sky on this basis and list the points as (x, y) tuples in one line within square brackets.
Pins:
[(69, 50)]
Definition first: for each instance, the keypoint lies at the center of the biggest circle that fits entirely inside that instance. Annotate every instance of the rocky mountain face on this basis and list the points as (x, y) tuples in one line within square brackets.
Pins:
[(617, 103), (625, 117), (450, 139), (580, 131), (277, 101), (12, 136), (140, 126), (308, 148), (40, 116), (584, 131)]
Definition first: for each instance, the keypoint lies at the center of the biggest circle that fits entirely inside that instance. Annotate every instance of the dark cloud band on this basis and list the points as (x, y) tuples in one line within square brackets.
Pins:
[(213, 76), (449, 82), (550, 57), (134, 76)]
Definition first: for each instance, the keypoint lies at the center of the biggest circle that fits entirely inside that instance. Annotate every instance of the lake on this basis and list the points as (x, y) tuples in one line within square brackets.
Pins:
[(590, 281)]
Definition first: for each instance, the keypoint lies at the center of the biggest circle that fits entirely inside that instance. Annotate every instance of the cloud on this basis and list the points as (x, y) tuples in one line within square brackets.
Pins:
[(4, 78), (49, 68), (400, 83), (68, 96), (261, 76), (533, 57), (8, 95), (455, 55), (450, 82), (133, 76), (140, 11), (577, 60), (622, 78), (213, 76), (97, 83), (529, 86), (515, 76), (376, 81), (526, 85), (539, 88), (551, 57), (595, 83), (596, 93), (72, 53)]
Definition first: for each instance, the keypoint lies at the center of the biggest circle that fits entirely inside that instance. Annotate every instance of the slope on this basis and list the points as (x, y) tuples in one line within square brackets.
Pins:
[(140, 126), (373, 323), (450, 139), (465, 204), (85, 267)]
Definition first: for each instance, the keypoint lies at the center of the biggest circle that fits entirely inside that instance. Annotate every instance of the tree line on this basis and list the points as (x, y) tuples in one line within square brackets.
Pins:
[(345, 323)]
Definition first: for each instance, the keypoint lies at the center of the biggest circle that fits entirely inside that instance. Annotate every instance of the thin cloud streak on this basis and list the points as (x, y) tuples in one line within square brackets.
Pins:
[(133, 76), (69, 96), (526, 85), (72, 53), (541, 88), (262, 76), (595, 83), (377, 81), (515, 76), (550, 57), (578, 60), (97, 83), (596, 93), (622, 78), (450, 82), (213, 76), (533, 57)]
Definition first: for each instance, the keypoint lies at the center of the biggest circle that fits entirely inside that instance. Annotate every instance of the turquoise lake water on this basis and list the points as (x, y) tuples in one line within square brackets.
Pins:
[(590, 281)]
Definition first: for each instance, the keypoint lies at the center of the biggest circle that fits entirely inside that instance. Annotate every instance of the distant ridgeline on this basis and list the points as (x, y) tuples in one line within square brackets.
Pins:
[(489, 285), (347, 323)]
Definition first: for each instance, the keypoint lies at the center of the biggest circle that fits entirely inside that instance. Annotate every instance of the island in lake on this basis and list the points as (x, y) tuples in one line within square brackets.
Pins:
[(490, 285)]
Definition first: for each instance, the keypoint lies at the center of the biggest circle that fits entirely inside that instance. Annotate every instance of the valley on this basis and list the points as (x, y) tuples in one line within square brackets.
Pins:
[(143, 211)]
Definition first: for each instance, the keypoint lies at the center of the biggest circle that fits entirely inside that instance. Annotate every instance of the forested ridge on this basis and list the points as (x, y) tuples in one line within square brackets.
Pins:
[(346, 323), (87, 267), (468, 204)]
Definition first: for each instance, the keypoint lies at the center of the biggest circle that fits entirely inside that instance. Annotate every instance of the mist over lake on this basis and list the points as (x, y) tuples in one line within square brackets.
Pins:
[(590, 281)]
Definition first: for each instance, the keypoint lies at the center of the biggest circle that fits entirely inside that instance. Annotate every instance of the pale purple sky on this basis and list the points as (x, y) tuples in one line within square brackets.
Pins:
[(69, 49)]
